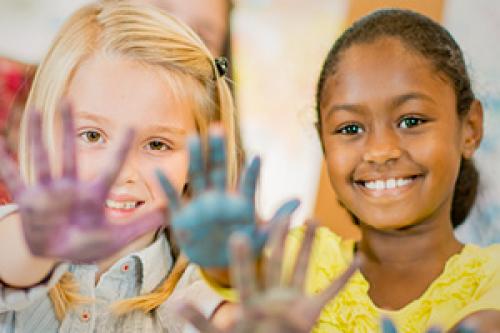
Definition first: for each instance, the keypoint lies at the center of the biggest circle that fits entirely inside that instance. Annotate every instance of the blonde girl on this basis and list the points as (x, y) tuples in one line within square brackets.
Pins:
[(87, 243)]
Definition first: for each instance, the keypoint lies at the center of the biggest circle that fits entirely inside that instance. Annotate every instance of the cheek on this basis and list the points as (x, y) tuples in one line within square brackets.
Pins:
[(441, 157), (341, 160), (91, 163)]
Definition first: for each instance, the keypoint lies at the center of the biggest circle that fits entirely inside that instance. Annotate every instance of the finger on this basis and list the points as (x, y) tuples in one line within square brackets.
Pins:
[(217, 160), (242, 267), (9, 171), (169, 190), (388, 326), (285, 210), (249, 181), (277, 247), (40, 154), (69, 145), (337, 285), (196, 318), (109, 177), (126, 233), (197, 170), (302, 261)]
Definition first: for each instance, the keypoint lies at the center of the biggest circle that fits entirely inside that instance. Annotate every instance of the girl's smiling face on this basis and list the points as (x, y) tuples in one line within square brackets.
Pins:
[(111, 94), (393, 139)]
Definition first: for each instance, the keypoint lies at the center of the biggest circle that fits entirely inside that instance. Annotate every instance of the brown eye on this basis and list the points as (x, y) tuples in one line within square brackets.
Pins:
[(410, 122), (91, 137), (156, 145), (350, 129)]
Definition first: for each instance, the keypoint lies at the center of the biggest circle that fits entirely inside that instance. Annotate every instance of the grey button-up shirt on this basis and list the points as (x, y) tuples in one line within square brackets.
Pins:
[(31, 310)]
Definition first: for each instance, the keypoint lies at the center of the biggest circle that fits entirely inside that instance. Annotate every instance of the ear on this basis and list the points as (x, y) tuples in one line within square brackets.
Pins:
[(472, 129)]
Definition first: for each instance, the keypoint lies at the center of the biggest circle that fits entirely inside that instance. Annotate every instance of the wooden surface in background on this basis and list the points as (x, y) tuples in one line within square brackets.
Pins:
[(327, 209)]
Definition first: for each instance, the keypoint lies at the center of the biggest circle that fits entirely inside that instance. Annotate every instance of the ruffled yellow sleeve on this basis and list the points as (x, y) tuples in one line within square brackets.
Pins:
[(470, 283), (487, 293)]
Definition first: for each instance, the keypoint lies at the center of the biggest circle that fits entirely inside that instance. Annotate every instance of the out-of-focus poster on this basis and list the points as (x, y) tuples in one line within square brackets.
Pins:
[(279, 47)]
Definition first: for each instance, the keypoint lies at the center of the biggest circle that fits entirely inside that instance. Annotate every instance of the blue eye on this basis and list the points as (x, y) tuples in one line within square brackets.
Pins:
[(409, 122), (91, 136), (350, 129)]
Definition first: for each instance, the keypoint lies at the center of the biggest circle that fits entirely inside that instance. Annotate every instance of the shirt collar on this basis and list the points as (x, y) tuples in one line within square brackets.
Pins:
[(155, 261)]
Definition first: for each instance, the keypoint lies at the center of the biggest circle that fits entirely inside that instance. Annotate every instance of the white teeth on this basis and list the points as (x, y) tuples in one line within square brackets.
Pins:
[(390, 183), (387, 184), (121, 204), (403, 182)]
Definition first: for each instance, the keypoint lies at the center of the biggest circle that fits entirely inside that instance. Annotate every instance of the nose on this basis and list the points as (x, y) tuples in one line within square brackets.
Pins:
[(130, 171), (382, 146)]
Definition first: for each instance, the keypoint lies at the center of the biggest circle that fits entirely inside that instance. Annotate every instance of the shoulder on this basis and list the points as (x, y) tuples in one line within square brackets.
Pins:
[(484, 258), (490, 269), (476, 272)]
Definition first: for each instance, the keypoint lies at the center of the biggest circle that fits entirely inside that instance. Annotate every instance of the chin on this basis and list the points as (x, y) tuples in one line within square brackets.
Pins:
[(387, 223)]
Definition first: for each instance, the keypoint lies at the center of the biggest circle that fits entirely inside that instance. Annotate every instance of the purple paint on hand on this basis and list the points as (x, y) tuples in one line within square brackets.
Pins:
[(64, 218)]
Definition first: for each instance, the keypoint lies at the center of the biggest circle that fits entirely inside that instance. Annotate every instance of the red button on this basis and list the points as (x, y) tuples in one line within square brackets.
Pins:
[(85, 316), (125, 268)]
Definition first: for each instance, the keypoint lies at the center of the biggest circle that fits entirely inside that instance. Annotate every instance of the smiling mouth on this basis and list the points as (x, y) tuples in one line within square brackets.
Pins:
[(390, 186), (123, 205), (387, 184)]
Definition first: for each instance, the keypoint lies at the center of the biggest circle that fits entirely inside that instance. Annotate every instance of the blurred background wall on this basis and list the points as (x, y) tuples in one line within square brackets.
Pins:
[(277, 50)]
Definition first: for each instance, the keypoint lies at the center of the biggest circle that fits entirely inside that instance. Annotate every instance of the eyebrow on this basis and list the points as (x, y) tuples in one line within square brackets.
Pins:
[(93, 117), (168, 129), (400, 100), (156, 128), (396, 102), (343, 107)]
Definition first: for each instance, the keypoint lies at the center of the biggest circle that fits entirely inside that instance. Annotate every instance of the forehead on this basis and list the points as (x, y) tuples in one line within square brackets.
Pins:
[(381, 70), (127, 92)]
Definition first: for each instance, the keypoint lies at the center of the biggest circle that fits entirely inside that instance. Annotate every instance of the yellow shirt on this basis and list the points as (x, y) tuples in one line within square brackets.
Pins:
[(469, 283)]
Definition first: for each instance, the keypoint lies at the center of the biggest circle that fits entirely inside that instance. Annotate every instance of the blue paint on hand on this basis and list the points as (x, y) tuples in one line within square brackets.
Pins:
[(203, 226)]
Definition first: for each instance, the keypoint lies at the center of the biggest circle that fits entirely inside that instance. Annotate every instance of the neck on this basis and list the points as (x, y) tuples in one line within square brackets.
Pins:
[(400, 265), (431, 240)]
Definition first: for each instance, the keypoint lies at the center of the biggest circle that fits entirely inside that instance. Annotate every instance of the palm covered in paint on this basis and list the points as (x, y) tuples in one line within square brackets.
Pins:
[(64, 218), (203, 226)]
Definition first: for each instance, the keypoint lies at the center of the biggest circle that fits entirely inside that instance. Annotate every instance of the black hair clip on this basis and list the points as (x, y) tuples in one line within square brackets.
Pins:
[(221, 64)]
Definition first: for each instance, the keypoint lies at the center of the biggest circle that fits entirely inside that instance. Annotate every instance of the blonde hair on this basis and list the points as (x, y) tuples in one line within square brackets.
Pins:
[(151, 37)]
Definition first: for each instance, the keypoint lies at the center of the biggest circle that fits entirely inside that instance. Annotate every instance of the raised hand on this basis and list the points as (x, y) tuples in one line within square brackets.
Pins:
[(203, 226), (279, 306), (64, 218)]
